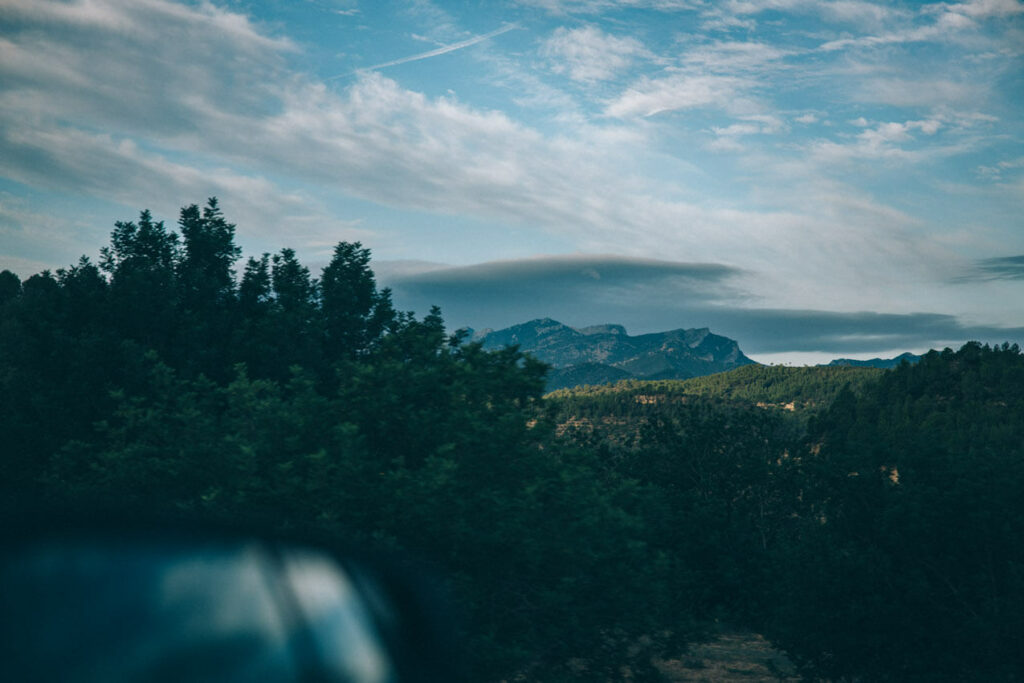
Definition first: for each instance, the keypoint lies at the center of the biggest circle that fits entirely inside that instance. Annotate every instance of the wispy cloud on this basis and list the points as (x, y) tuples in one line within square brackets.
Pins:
[(906, 141), (983, 8), (378, 141), (740, 13), (949, 22), (651, 96), (926, 91), (999, 268), (589, 54), (736, 56), (96, 101), (996, 171), (443, 50), (565, 7)]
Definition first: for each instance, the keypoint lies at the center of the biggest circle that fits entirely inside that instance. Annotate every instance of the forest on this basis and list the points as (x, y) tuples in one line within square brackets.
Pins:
[(868, 522)]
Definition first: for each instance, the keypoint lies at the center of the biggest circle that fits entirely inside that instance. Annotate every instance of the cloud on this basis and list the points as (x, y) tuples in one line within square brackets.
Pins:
[(734, 56), (999, 268), (37, 237), (444, 49), (863, 13), (179, 113), (942, 30), (778, 330), (180, 136), (581, 275), (568, 7), (651, 96), (950, 21), (121, 170), (215, 109), (985, 8), (722, 75), (648, 296), (588, 54), (501, 293), (158, 71), (752, 125), (895, 141), (733, 13), (875, 139), (125, 17), (996, 171), (926, 91), (160, 124)]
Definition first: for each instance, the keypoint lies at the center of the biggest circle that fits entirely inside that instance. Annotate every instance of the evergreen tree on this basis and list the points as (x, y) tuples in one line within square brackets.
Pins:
[(142, 261), (206, 274), (10, 286), (355, 314), (903, 563)]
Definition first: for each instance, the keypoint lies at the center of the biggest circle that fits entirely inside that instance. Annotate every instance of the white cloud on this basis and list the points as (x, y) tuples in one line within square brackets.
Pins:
[(589, 54), (884, 141), (145, 19), (652, 96), (192, 116), (985, 8), (148, 67), (737, 129), (996, 171), (119, 170), (857, 12), (727, 138), (945, 28), (863, 13), (566, 7), (950, 21), (733, 56)]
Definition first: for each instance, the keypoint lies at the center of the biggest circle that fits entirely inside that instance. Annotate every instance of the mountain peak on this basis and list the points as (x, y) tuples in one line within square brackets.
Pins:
[(604, 353)]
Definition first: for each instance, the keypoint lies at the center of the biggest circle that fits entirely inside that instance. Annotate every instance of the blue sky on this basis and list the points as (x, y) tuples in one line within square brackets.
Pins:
[(814, 179)]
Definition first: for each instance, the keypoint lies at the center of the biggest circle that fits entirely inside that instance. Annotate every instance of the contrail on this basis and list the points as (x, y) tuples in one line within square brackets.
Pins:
[(433, 53)]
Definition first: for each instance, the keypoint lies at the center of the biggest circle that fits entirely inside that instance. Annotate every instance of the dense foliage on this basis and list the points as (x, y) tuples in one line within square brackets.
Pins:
[(905, 560), (868, 521), (881, 541), (162, 378)]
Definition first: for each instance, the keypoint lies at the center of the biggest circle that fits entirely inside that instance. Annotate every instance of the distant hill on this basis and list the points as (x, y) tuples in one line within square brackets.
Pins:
[(601, 354), (883, 363), (795, 389)]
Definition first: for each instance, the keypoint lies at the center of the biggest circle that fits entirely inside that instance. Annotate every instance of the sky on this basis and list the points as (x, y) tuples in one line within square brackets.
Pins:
[(814, 179)]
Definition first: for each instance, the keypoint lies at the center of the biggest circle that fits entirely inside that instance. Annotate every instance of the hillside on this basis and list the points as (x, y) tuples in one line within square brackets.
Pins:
[(791, 388), (606, 353), (782, 400)]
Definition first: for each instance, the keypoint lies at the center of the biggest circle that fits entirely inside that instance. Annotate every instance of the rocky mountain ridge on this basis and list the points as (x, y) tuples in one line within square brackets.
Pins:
[(600, 354)]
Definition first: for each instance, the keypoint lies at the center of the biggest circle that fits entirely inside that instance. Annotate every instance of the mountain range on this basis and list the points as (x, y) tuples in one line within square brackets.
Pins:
[(603, 354)]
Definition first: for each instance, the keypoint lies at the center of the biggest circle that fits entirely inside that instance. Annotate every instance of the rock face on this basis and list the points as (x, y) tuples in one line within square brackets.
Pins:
[(605, 353)]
